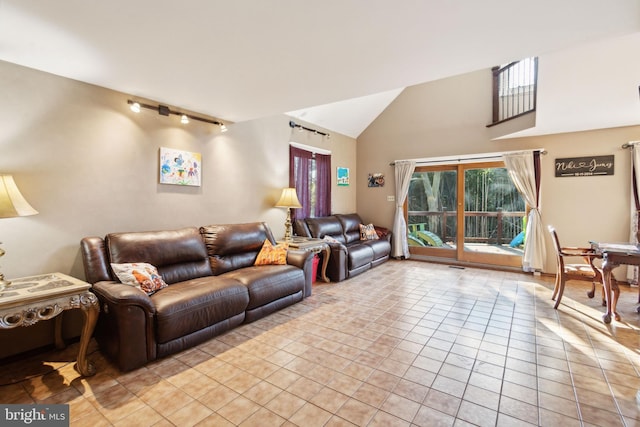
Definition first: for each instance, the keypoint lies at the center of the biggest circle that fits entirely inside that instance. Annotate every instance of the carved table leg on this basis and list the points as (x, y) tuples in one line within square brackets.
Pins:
[(325, 261), (90, 309), (607, 266), (616, 294)]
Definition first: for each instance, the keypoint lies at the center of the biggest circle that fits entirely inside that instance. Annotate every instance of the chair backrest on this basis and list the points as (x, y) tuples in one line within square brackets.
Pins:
[(561, 253), (554, 237), (556, 246)]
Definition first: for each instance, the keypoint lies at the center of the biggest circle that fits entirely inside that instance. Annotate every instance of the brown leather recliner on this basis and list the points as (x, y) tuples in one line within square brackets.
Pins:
[(350, 255), (213, 287)]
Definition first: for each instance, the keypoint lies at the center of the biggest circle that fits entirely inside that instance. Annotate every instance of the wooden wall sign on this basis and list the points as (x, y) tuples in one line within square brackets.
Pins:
[(584, 166)]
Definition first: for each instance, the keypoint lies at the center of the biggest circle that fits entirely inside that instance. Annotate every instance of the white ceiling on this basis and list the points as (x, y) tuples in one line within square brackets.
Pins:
[(244, 59)]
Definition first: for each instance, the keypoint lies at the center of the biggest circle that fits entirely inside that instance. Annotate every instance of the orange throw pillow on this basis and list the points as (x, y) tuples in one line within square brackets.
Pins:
[(272, 255)]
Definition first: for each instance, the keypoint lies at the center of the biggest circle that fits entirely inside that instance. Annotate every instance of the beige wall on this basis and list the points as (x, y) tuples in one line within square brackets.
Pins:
[(449, 117), (90, 166)]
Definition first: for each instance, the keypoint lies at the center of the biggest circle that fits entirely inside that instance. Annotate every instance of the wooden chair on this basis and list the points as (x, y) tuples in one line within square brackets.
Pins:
[(585, 271)]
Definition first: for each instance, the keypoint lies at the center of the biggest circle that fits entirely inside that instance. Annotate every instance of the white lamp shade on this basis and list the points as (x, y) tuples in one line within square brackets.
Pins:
[(288, 199), (12, 203)]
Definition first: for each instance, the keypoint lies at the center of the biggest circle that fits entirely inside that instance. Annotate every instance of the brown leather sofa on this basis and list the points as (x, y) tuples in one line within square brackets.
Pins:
[(213, 287), (351, 255)]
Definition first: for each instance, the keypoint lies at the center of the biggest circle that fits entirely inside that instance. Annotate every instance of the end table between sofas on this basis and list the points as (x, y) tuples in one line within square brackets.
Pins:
[(314, 245)]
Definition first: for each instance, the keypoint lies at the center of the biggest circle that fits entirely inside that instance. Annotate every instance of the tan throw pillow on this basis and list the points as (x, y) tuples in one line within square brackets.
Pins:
[(140, 275), (272, 255), (368, 232)]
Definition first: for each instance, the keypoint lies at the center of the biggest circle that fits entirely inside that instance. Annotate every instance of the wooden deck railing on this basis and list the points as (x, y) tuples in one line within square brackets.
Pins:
[(498, 227)]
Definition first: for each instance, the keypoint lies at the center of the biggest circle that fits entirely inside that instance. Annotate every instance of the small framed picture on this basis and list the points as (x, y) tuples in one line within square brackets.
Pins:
[(343, 177), (376, 180), (180, 167)]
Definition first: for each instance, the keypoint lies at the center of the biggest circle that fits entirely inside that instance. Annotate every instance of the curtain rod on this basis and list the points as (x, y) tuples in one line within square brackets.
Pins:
[(466, 158), (630, 144), (293, 124)]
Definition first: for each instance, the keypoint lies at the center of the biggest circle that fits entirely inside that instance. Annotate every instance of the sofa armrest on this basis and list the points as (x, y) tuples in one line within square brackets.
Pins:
[(383, 233), (125, 329), (298, 257), (120, 294), (304, 261), (338, 262)]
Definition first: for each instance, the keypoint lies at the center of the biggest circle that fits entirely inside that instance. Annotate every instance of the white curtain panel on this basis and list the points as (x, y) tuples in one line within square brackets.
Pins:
[(522, 172), (403, 172), (632, 271)]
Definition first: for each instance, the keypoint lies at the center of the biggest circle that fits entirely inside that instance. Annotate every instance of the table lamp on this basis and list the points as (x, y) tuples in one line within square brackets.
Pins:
[(289, 200), (12, 204)]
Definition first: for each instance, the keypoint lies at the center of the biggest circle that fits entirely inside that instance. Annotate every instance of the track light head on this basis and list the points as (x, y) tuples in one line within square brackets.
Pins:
[(135, 107)]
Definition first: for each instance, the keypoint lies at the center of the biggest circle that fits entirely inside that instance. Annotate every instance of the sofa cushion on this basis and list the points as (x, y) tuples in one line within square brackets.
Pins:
[(178, 255), (189, 306), (326, 226), (234, 246), (350, 226), (140, 275), (381, 248), (272, 255), (359, 255), (269, 282)]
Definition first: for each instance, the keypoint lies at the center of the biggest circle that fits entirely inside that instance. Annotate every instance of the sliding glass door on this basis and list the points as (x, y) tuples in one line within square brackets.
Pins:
[(431, 213), (467, 212)]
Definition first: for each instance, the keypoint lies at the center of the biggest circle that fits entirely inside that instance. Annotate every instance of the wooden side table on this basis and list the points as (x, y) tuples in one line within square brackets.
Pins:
[(28, 300), (313, 245)]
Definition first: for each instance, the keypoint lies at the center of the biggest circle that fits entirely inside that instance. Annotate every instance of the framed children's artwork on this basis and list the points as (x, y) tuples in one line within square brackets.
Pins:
[(180, 167), (376, 180), (343, 177)]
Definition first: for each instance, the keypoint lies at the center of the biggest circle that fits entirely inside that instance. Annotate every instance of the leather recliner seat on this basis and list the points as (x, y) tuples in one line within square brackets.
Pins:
[(350, 255)]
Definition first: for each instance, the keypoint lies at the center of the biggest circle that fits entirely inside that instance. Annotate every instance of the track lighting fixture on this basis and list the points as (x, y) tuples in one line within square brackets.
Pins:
[(164, 110), (300, 128)]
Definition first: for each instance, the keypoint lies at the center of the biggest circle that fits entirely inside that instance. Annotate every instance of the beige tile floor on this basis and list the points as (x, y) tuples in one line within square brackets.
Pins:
[(406, 344)]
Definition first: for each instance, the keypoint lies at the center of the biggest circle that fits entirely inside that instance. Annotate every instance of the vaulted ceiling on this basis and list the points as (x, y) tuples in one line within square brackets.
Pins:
[(335, 63)]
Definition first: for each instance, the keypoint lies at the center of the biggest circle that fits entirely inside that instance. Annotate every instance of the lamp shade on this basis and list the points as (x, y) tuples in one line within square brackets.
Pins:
[(12, 203), (288, 199)]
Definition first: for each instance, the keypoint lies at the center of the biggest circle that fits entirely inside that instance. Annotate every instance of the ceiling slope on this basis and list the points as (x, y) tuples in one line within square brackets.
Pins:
[(243, 59)]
